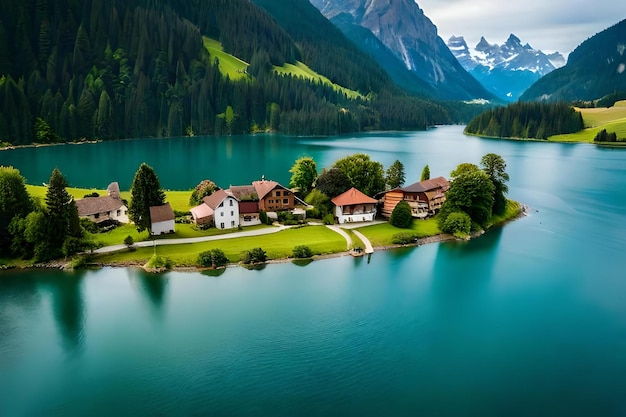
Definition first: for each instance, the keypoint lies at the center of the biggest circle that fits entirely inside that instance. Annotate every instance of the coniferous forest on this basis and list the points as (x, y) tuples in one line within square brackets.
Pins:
[(527, 120), (108, 69)]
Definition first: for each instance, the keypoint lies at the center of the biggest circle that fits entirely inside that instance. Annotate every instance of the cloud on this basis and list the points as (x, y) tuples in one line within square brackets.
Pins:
[(549, 25)]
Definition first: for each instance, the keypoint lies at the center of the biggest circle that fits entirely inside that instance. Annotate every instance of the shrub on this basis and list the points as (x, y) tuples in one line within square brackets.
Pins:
[(253, 256), (94, 194), (89, 226), (212, 258), (313, 213), (219, 258), (158, 262), (302, 251), (457, 223), (404, 238), (401, 216), (263, 217), (129, 241), (328, 219)]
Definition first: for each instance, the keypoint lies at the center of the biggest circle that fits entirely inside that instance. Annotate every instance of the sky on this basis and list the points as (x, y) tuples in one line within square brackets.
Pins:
[(548, 25)]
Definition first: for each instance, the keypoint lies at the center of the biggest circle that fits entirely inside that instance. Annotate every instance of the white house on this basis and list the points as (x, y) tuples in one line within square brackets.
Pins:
[(220, 208), (354, 206), (161, 219), (100, 209)]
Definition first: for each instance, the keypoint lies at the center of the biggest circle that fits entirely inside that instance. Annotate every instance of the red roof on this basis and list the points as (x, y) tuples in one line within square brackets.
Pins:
[(353, 197)]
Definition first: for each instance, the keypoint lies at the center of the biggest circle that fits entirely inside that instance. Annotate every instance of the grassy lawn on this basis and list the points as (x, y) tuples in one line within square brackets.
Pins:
[(381, 234), (229, 65), (613, 119), (179, 200), (279, 245)]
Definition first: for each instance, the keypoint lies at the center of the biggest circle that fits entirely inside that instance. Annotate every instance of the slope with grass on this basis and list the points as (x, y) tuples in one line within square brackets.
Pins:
[(613, 119)]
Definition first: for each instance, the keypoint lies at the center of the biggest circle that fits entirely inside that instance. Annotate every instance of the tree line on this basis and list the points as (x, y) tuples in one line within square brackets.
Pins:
[(527, 121), (138, 68)]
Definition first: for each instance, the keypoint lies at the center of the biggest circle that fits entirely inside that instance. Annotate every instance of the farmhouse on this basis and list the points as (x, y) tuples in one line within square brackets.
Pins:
[(424, 197), (220, 209), (161, 219), (105, 208), (354, 206)]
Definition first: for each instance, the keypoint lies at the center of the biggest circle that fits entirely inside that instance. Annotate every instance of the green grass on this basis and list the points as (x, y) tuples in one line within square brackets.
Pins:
[(179, 200), (279, 245), (512, 210), (613, 119), (302, 70), (381, 234), (230, 65), (235, 68)]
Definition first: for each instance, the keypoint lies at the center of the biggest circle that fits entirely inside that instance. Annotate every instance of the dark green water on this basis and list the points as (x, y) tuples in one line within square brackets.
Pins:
[(528, 320)]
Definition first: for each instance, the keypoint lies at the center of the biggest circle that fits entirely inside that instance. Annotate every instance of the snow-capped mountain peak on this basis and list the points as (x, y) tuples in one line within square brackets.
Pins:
[(506, 64)]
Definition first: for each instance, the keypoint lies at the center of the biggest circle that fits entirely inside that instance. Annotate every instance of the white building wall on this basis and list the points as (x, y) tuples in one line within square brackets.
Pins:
[(227, 215), (163, 227), (122, 217), (353, 218)]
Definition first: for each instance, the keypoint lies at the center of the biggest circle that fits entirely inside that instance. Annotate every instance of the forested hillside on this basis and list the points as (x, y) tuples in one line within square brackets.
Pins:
[(109, 69), (594, 69), (527, 120)]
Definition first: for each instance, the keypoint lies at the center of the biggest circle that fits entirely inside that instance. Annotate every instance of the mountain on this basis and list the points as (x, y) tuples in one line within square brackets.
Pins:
[(506, 70), (410, 37), (143, 68), (596, 68)]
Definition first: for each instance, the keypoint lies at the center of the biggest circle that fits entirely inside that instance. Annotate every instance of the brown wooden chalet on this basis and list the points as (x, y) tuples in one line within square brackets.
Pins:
[(424, 197)]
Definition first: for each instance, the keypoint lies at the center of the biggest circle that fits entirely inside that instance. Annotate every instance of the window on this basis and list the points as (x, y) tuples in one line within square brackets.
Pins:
[(119, 212), (222, 225), (285, 201), (231, 203), (96, 216), (222, 214), (232, 213), (277, 194), (232, 224)]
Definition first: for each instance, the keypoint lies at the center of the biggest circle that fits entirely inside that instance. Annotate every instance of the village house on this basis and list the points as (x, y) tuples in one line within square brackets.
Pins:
[(161, 219), (354, 206), (220, 209), (265, 195), (108, 208), (425, 197)]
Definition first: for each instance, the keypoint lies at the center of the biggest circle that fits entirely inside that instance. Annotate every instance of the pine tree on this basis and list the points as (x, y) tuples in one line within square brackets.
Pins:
[(58, 212), (145, 192), (425, 173)]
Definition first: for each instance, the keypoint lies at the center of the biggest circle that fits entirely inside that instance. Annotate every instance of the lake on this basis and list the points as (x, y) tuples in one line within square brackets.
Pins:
[(528, 319)]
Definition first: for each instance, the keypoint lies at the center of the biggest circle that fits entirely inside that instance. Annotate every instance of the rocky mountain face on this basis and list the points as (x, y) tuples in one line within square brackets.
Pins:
[(411, 37), (506, 70)]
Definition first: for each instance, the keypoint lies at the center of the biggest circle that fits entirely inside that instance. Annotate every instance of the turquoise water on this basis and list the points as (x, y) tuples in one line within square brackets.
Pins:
[(528, 320)]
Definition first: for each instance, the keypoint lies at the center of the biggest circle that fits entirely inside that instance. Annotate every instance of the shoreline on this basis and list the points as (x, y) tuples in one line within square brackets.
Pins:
[(440, 238)]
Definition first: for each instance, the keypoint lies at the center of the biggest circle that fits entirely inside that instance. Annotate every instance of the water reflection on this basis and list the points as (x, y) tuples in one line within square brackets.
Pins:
[(214, 272), (19, 298), (68, 310), (152, 286)]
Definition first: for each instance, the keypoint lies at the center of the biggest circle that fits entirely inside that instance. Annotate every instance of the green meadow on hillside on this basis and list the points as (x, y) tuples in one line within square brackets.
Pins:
[(235, 68), (613, 119)]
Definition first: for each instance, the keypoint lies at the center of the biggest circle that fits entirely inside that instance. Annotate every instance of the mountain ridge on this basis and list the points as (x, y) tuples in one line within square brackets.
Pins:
[(412, 38), (507, 70)]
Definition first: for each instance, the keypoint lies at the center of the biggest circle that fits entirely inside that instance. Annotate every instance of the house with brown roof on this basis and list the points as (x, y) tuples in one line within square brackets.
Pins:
[(265, 195), (354, 206), (104, 208), (425, 197), (273, 196), (161, 219), (220, 209)]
